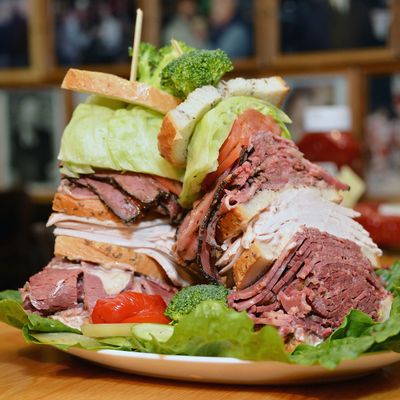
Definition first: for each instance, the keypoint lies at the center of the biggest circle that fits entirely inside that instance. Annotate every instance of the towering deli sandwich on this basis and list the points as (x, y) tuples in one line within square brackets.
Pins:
[(264, 221), (116, 208)]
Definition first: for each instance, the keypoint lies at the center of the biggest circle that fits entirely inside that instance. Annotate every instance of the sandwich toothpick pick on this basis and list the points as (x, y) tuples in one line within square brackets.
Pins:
[(136, 44), (176, 47)]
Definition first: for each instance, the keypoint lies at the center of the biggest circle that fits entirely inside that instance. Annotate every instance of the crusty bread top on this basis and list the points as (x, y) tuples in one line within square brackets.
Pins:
[(178, 125), (89, 207), (107, 255), (273, 89), (117, 88)]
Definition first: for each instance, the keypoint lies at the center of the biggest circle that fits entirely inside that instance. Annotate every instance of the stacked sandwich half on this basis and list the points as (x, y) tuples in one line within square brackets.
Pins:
[(268, 224), (116, 208)]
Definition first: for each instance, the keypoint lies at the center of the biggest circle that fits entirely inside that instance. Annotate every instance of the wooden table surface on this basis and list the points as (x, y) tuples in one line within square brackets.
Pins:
[(33, 372)]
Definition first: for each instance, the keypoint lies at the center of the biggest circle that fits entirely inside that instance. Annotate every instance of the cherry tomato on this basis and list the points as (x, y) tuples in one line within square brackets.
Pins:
[(127, 305)]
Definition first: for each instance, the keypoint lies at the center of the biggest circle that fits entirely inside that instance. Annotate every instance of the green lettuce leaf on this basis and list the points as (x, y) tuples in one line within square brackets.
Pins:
[(212, 329), (391, 276), (101, 134), (331, 353), (12, 313), (209, 135), (11, 295)]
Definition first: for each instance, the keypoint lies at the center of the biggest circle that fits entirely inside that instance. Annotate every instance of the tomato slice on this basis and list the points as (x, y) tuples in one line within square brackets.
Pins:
[(246, 124), (127, 305)]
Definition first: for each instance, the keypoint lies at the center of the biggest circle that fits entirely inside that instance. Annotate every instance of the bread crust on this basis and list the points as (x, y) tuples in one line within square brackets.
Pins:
[(251, 264), (179, 123), (166, 140), (282, 95), (89, 208), (230, 224), (117, 88), (77, 249)]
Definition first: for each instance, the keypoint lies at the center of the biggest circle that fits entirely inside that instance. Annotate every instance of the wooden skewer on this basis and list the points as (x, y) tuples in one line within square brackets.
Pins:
[(175, 44), (136, 44)]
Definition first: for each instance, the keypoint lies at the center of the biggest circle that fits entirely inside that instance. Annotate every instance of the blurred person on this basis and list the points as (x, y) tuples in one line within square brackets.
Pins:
[(5, 43), (187, 25), (19, 34), (379, 139), (31, 143), (396, 145), (227, 31), (351, 24), (72, 39), (13, 24), (299, 99), (109, 34), (315, 25), (395, 91)]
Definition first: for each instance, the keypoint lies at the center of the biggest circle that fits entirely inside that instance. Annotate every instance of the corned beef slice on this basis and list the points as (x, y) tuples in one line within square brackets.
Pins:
[(309, 290)]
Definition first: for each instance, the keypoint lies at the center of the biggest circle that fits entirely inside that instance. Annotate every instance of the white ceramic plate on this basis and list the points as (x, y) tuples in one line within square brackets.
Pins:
[(231, 370)]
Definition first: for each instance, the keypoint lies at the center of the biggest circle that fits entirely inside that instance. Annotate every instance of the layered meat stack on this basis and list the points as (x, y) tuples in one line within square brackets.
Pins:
[(109, 238), (114, 230), (271, 229)]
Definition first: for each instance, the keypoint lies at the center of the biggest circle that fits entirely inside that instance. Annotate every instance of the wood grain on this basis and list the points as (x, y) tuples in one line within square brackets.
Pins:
[(32, 372)]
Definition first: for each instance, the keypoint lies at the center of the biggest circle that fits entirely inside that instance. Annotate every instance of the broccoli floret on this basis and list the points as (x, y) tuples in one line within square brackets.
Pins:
[(166, 55), (148, 62), (194, 69), (190, 297), (152, 61)]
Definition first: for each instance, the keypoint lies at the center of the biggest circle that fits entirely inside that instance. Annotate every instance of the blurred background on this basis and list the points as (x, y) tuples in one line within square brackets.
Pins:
[(341, 59)]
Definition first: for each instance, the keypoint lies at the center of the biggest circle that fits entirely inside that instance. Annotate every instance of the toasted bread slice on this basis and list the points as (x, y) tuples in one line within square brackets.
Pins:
[(235, 221), (251, 265), (117, 88), (77, 249), (179, 123), (272, 89), (90, 207)]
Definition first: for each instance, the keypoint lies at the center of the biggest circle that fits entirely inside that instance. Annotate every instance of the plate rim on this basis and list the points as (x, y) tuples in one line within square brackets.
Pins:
[(214, 359)]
